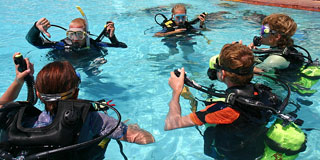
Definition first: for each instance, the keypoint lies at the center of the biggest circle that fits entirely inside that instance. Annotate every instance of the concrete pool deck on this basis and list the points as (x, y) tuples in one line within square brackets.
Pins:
[(309, 5)]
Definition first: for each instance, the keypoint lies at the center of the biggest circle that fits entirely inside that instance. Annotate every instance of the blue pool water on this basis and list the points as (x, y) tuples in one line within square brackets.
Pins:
[(136, 78)]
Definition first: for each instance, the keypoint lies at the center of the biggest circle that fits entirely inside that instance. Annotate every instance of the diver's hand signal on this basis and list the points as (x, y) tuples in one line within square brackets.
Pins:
[(43, 25)]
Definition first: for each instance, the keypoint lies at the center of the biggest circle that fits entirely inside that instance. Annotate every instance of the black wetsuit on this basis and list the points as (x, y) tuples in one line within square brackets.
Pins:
[(87, 58), (34, 38)]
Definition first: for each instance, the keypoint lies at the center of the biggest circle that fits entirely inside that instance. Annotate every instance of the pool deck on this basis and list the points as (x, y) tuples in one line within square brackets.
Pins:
[(310, 5)]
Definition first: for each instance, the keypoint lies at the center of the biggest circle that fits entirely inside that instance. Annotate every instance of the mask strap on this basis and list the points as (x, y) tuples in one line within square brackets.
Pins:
[(58, 96)]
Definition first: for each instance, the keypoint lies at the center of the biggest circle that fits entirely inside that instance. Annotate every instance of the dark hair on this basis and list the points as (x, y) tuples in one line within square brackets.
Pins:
[(236, 56), (56, 77)]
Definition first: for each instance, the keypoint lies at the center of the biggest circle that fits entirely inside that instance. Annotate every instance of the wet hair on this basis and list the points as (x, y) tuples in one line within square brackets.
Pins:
[(56, 77), (178, 7), (236, 56), (79, 21), (284, 25)]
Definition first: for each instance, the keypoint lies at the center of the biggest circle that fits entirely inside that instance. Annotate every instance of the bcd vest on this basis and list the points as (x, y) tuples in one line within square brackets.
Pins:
[(63, 131), (248, 131)]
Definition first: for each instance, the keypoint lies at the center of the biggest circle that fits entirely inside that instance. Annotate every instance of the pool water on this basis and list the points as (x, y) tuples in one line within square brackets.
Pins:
[(136, 78)]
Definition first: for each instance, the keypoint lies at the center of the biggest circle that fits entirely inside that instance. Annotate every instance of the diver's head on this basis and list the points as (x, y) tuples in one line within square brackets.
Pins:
[(77, 32), (235, 65), (179, 14), (57, 81), (277, 30)]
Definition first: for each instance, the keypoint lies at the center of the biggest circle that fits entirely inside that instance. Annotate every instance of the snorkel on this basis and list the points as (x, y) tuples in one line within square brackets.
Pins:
[(87, 26)]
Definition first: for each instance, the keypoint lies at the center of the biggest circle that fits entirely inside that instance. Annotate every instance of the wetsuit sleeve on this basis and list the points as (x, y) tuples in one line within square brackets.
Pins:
[(33, 37), (274, 62), (114, 43), (217, 113), (101, 124)]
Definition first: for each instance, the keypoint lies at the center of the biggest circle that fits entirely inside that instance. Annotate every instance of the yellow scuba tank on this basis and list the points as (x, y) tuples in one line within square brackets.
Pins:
[(284, 142)]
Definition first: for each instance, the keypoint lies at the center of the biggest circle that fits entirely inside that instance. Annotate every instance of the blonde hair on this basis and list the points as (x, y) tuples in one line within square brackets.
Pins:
[(178, 7), (284, 25), (236, 56)]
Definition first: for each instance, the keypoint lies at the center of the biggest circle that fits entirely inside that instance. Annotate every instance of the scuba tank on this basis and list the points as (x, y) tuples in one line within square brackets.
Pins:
[(284, 141)]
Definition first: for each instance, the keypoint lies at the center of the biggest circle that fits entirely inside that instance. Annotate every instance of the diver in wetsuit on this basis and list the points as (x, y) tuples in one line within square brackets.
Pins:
[(283, 58), (66, 122), (235, 126), (77, 47), (178, 29), (234, 123)]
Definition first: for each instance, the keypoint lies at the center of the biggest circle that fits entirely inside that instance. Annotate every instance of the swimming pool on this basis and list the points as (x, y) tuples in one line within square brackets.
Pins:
[(136, 78)]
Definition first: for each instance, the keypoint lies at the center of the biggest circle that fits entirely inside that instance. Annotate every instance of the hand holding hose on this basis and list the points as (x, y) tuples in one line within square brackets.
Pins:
[(110, 29), (177, 82), (26, 70)]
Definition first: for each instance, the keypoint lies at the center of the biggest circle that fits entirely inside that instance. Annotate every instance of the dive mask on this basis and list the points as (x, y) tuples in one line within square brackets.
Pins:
[(265, 30), (58, 96), (61, 96), (180, 17), (76, 34), (212, 71)]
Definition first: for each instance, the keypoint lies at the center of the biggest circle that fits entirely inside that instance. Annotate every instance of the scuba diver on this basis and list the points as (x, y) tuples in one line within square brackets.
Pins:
[(78, 48), (179, 30), (282, 58), (236, 127), (68, 128)]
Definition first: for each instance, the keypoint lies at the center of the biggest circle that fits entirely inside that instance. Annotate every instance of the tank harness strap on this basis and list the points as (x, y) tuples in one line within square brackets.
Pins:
[(276, 147)]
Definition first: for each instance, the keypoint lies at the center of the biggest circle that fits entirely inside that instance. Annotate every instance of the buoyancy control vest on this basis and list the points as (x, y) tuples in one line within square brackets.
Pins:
[(63, 131), (291, 54), (248, 131), (170, 25)]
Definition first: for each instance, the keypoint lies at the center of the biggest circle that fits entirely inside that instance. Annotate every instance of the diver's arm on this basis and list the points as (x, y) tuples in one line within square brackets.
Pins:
[(34, 38), (101, 124), (115, 43), (14, 89), (174, 119), (110, 33), (137, 135), (164, 34)]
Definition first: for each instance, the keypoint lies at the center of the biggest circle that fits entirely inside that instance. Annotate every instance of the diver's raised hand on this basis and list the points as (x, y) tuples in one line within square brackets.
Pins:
[(202, 17), (177, 83), (252, 46), (43, 25), (21, 75), (110, 29)]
